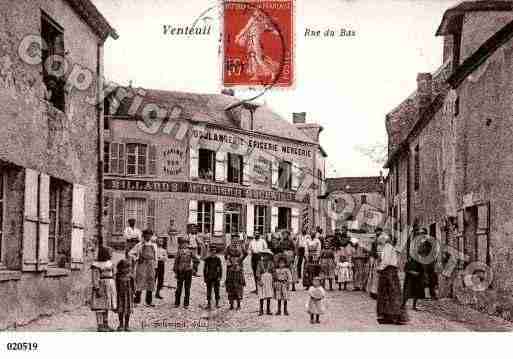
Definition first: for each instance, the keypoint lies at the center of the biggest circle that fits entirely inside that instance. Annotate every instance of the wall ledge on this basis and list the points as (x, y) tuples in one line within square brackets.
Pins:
[(57, 272), (8, 275)]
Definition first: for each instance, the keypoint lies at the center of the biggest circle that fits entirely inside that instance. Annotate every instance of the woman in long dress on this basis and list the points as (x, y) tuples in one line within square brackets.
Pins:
[(389, 307), (372, 269), (359, 259)]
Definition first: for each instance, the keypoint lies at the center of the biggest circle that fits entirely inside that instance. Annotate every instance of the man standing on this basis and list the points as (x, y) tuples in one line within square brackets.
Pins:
[(161, 264), (255, 248), (132, 235), (301, 251), (183, 268), (145, 254), (195, 247)]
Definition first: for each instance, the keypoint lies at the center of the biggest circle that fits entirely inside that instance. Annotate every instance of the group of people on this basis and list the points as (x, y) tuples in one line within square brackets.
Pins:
[(279, 262)]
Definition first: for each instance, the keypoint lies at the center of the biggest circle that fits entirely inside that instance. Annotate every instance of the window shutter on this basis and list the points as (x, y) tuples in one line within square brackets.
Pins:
[(295, 176), (30, 221), (218, 218), (151, 215), (274, 218), (78, 225), (274, 173), (152, 161), (44, 221), (194, 163), (246, 168), (193, 211), (250, 219), (294, 224), (118, 215), (114, 153), (109, 215), (221, 166), (121, 159), (483, 224)]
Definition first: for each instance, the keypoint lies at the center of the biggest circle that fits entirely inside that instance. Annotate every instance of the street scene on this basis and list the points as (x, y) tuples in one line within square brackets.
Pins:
[(256, 166)]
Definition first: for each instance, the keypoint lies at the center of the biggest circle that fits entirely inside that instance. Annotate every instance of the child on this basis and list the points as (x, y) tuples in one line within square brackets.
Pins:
[(161, 264), (212, 273), (344, 272), (103, 296), (264, 275), (183, 268), (235, 281), (282, 280), (125, 293), (315, 305)]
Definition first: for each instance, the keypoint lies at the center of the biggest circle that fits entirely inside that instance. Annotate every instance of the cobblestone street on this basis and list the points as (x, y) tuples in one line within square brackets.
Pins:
[(346, 311)]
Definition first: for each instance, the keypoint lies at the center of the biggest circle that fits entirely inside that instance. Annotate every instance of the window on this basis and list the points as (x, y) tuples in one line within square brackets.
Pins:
[(151, 215), (285, 175), (135, 208), (52, 56), (364, 199), (116, 158), (284, 218), (206, 163), (106, 157), (235, 169), (56, 231), (3, 181), (416, 173), (232, 219), (260, 219), (136, 159), (205, 216)]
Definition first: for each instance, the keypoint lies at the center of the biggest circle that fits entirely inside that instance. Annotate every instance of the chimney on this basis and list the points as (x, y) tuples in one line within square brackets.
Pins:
[(424, 90), (228, 92), (298, 117)]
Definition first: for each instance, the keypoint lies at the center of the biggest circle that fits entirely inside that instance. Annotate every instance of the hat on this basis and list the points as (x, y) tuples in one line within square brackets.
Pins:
[(354, 240), (266, 251), (147, 232)]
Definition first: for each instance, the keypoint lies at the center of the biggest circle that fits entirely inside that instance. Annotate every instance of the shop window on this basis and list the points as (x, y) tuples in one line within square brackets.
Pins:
[(284, 217), (52, 56), (60, 216), (235, 168), (285, 175), (3, 180), (136, 159), (206, 163), (135, 208), (151, 215), (119, 215), (205, 216), (260, 219), (416, 173), (232, 219), (363, 199)]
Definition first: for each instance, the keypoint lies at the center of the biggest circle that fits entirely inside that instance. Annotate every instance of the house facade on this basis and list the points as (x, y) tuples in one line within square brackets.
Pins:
[(174, 159), (450, 156), (50, 81)]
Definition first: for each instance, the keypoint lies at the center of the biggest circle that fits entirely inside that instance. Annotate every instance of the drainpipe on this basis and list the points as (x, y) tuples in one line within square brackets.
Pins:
[(100, 120)]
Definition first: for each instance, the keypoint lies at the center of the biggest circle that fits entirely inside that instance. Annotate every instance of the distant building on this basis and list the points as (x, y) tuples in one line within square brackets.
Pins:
[(49, 154), (360, 202), (450, 163), (227, 167)]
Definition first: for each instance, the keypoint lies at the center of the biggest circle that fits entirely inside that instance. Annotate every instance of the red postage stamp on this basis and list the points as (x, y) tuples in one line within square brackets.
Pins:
[(258, 43)]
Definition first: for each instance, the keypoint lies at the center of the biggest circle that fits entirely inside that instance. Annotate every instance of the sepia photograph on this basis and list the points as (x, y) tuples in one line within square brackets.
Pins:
[(255, 166)]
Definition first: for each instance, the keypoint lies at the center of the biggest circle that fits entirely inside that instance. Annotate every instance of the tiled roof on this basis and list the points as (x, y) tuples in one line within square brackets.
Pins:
[(90, 14), (210, 108), (354, 184)]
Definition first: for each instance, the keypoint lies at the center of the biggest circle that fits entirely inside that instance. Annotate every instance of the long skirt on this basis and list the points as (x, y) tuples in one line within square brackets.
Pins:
[(388, 306), (291, 260), (266, 290), (414, 286), (145, 275), (360, 273), (234, 284), (372, 281)]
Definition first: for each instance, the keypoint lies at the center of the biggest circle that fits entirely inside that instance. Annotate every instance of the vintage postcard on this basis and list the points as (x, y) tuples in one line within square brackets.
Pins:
[(255, 166)]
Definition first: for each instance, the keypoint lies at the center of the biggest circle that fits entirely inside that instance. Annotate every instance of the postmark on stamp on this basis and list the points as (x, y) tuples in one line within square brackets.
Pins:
[(258, 43)]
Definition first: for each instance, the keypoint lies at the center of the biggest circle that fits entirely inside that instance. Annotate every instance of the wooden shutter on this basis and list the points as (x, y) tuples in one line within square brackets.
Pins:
[(193, 212), (250, 219), (118, 215), (78, 226), (152, 160), (483, 230), (294, 224), (30, 220), (295, 176), (274, 218), (121, 159), (108, 218), (151, 215), (221, 166), (246, 170), (44, 221), (218, 218), (275, 167), (193, 163), (114, 153)]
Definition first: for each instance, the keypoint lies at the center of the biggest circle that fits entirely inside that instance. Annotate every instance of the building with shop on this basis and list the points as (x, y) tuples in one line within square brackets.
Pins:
[(358, 202), (49, 157), (450, 155), (227, 166)]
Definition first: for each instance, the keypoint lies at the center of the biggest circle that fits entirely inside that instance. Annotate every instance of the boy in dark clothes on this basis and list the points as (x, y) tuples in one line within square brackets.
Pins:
[(212, 273)]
